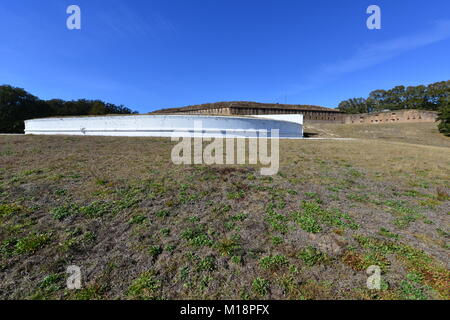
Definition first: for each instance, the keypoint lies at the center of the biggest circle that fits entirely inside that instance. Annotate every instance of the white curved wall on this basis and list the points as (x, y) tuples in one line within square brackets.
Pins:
[(162, 126)]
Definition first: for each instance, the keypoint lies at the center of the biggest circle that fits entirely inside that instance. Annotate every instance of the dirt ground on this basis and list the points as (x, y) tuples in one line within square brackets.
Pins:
[(141, 227)]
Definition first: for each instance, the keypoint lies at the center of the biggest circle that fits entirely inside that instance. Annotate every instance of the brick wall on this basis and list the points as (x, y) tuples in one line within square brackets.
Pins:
[(396, 116)]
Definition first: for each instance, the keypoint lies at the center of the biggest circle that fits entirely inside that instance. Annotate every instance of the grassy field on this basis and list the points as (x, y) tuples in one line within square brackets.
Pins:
[(425, 133), (140, 227)]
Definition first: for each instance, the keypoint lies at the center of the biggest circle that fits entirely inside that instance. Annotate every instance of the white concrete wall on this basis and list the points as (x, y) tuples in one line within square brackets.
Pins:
[(296, 118), (161, 126)]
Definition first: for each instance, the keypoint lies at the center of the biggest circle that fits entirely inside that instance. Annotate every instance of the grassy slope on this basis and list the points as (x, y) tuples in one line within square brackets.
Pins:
[(416, 133), (141, 227)]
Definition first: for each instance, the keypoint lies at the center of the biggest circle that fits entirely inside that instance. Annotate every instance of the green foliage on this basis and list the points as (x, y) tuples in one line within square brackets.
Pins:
[(260, 286), (355, 105), (277, 221), (311, 256), (432, 97), (162, 213), (276, 240), (67, 210), (273, 263), (412, 288), (236, 195), (96, 209), (239, 217), (388, 234), (308, 222), (227, 247), (9, 209), (145, 287), (206, 264), (138, 219), (155, 250), (444, 118), (17, 105), (32, 243), (197, 237), (314, 215)]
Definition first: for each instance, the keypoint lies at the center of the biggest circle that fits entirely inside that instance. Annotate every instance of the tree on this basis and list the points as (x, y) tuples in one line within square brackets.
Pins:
[(17, 105), (431, 97), (444, 118), (355, 105)]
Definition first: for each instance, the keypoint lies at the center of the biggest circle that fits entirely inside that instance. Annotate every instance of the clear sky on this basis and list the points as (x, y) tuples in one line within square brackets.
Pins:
[(170, 53)]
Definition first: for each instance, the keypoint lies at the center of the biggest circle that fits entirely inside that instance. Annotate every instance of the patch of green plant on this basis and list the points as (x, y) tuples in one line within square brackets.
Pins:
[(162, 213), (61, 192), (194, 219), (145, 287), (276, 240), (443, 233), (276, 221), (388, 234), (239, 217), (10, 209), (170, 248), (62, 212), (165, 232), (32, 243), (412, 288), (18, 227), (236, 195), (404, 221), (414, 259), (333, 189), (7, 247), (101, 181), (155, 250), (32, 171), (197, 237), (221, 208), (227, 247), (405, 215), (311, 256), (229, 225), (126, 202), (358, 197), (273, 263), (138, 219), (206, 264), (96, 209), (92, 292), (313, 215), (236, 260), (89, 237), (354, 173), (260, 286), (308, 222), (312, 195), (51, 282)]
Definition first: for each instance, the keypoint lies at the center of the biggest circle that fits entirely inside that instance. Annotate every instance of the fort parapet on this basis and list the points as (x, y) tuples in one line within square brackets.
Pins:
[(244, 108), (395, 116)]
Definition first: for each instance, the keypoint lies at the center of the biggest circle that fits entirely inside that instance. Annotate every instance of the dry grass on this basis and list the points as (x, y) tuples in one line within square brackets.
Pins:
[(415, 133), (142, 227)]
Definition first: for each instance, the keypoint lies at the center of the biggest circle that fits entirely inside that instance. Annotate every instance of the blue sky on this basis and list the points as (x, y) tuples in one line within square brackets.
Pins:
[(157, 54)]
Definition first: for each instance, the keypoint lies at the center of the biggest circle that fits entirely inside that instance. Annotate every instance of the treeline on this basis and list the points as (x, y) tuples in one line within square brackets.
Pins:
[(432, 97), (17, 105)]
